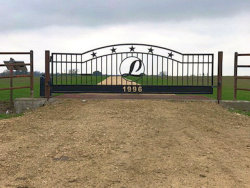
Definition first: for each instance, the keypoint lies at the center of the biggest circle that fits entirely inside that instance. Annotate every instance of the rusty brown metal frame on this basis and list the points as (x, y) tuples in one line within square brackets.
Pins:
[(31, 75), (47, 74), (236, 77), (219, 79)]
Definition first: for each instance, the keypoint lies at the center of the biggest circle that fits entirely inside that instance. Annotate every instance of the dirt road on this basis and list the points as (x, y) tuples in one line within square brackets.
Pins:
[(126, 143), (117, 80)]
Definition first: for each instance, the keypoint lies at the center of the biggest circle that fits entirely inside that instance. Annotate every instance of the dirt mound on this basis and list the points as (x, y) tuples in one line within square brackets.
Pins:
[(117, 80), (126, 143)]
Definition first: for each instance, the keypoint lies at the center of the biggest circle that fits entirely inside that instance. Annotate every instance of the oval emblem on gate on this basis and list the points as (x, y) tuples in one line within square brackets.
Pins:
[(132, 68)]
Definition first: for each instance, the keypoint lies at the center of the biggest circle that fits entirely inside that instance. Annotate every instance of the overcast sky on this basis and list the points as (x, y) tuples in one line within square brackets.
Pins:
[(188, 26)]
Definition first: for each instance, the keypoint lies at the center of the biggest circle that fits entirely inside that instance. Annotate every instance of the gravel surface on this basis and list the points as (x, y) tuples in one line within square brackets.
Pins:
[(125, 143), (117, 80)]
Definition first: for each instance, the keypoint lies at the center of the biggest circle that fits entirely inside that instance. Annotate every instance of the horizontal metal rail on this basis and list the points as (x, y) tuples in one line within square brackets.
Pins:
[(11, 88), (14, 53), (14, 64), (15, 76), (243, 54), (243, 89), (236, 77), (12, 67), (243, 66), (243, 77)]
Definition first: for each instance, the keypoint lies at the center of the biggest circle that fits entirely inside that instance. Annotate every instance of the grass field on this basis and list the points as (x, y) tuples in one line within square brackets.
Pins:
[(227, 85), (227, 93), (78, 80)]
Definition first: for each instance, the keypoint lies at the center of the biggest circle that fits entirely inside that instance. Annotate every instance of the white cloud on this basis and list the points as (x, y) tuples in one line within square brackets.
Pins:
[(200, 35)]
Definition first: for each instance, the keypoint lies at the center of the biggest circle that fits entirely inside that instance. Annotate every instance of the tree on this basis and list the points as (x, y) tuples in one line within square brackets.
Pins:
[(163, 73), (96, 73)]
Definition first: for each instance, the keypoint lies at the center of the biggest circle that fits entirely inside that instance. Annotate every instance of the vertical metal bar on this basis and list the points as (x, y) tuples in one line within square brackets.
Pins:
[(81, 69), (86, 74), (120, 65), (116, 69), (47, 74), (106, 70), (31, 73), (143, 73), (147, 69), (52, 69), (177, 73), (212, 69), (11, 85), (91, 70), (152, 70), (157, 68), (167, 71), (182, 69), (71, 68), (219, 87), (76, 70), (198, 70), (192, 70), (61, 69), (66, 69), (208, 70), (101, 70), (56, 69), (162, 71), (172, 71), (96, 71), (235, 74), (202, 70), (111, 69), (187, 68)]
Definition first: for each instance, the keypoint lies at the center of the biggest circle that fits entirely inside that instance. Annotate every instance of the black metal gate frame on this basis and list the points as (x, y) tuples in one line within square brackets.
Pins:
[(185, 73)]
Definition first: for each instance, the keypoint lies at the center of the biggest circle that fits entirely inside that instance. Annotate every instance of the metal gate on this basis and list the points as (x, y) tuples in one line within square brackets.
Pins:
[(130, 68)]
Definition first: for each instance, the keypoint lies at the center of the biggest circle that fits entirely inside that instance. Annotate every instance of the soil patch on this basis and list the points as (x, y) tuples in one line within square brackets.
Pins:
[(125, 143)]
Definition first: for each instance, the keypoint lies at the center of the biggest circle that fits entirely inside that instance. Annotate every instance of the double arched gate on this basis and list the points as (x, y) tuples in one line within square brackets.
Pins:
[(130, 68)]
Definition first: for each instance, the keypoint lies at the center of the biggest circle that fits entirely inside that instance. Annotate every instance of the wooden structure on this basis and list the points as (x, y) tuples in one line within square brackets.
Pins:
[(236, 77), (18, 65)]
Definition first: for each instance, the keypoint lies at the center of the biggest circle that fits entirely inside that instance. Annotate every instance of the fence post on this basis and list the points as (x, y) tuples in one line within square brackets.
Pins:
[(235, 74), (47, 74), (31, 74), (11, 85), (219, 84)]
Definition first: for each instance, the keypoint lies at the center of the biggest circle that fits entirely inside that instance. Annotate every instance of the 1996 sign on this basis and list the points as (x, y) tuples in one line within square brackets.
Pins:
[(132, 89)]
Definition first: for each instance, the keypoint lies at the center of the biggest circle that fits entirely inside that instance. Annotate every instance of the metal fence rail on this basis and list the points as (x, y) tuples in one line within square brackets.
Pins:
[(11, 74), (236, 77)]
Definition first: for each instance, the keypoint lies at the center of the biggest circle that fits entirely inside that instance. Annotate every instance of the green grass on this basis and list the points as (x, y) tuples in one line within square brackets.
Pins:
[(78, 80), (227, 85), (240, 112), (228, 89), (18, 93), (164, 80), (227, 92), (7, 116)]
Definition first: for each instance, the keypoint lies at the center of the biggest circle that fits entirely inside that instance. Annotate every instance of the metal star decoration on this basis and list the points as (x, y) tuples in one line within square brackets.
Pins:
[(132, 49), (113, 50), (150, 50), (170, 55), (94, 54)]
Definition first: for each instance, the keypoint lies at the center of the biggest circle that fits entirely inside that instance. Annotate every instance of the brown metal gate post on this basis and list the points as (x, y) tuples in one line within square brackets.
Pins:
[(31, 74), (235, 74), (219, 85), (47, 74), (11, 85)]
